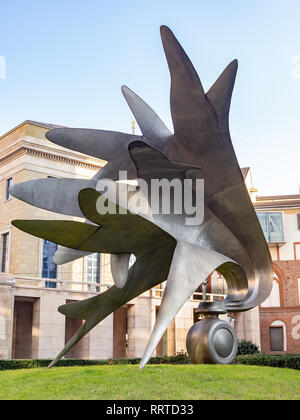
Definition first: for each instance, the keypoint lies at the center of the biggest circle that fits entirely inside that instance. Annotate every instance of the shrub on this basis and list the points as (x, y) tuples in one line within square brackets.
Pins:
[(247, 347), (291, 361), (180, 358)]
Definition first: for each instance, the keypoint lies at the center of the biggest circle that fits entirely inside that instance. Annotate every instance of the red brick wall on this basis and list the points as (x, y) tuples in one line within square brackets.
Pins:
[(292, 322), (289, 311)]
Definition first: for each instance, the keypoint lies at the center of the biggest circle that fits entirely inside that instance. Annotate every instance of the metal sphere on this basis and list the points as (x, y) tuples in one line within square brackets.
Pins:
[(212, 341)]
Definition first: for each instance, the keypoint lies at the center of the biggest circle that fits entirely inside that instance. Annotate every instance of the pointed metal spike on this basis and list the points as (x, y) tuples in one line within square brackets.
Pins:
[(83, 236), (152, 127), (147, 274), (75, 235), (183, 73), (57, 195), (220, 93), (98, 143), (191, 265), (83, 330), (188, 100)]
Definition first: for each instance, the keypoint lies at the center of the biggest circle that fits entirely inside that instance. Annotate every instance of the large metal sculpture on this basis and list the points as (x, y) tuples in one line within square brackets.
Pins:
[(229, 240)]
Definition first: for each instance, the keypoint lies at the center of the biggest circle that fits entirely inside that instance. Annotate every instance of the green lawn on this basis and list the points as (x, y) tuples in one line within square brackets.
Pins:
[(153, 382)]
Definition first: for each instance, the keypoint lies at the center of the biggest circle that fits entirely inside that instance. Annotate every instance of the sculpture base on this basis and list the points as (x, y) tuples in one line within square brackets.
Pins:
[(212, 341)]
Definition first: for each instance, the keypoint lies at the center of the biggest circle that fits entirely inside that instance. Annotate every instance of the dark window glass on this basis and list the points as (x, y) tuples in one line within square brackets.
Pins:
[(49, 269), (8, 185), (4, 256), (276, 338)]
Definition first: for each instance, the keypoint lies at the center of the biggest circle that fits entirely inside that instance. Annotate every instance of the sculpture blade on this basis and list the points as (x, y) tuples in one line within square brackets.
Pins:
[(220, 93), (152, 127), (56, 195), (80, 236), (98, 143), (191, 265), (143, 275), (187, 94)]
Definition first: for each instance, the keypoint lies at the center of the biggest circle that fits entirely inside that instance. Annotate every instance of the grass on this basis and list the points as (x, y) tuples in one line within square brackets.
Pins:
[(157, 382)]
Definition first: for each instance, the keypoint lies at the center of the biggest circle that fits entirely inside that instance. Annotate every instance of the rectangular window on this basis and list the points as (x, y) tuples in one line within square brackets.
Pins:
[(272, 226), (298, 221), (4, 252), (8, 185), (93, 269), (49, 269), (276, 338)]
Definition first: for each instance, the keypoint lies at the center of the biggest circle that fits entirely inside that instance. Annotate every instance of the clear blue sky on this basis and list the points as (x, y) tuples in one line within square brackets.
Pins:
[(67, 59)]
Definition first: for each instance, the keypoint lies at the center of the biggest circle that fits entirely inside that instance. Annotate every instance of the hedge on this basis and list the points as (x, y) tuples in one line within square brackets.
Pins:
[(179, 359), (290, 361)]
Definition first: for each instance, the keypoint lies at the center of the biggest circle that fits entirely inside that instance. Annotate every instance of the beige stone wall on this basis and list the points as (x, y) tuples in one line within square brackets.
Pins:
[(101, 339), (139, 326), (6, 322), (42, 159), (183, 322), (25, 154), (247, 326)]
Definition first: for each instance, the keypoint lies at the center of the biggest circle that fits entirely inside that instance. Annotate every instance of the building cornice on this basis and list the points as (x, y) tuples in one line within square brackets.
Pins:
[(25, 150), (279, 208), (64, 159), (280, 309)]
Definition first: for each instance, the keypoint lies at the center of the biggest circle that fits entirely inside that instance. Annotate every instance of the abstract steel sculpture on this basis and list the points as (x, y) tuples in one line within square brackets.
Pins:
[(229, 240)]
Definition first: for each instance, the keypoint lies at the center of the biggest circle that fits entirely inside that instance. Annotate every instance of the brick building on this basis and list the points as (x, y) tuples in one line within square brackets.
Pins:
[(280, 314)]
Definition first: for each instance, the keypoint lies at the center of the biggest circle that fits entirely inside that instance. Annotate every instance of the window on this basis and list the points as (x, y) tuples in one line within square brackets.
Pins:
[(4, 252), (8, 185), (93, 269), (273, 299), (298, 221), (272, 226), (276, 338), (49, 269)]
